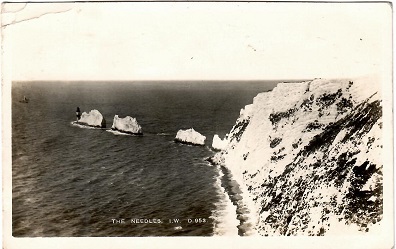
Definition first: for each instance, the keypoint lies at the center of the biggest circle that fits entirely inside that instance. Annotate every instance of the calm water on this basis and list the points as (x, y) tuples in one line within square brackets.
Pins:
[(71, 181)]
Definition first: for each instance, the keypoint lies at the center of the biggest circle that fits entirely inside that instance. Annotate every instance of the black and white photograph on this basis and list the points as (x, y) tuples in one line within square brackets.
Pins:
[(197, 124)]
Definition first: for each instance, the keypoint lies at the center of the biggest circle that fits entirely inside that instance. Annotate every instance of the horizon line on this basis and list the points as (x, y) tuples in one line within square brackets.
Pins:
[(166, 81)]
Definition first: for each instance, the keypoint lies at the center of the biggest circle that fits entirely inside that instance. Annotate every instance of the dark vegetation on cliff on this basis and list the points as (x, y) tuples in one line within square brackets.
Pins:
[(320, 167), (289, 208)]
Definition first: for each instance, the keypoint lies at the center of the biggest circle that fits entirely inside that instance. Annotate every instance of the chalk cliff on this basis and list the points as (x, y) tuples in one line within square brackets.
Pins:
[(308, 158), (127, 125), (190, 136), (94, 118), (218, 143)]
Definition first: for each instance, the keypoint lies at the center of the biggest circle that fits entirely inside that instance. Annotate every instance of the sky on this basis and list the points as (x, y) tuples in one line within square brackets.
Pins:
[(195, 41)]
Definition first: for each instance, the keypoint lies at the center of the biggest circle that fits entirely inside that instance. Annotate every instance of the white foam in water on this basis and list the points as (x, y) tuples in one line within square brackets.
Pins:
[(82, 126), (225, 215), (119, 133), (248, 228), (164, 134)]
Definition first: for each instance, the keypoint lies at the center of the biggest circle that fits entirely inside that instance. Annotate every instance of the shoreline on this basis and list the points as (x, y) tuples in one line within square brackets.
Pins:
[(241, 200), (188, 143), (126, 132)]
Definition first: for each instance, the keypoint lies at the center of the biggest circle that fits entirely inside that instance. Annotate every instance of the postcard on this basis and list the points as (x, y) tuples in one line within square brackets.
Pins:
[(197, 125)]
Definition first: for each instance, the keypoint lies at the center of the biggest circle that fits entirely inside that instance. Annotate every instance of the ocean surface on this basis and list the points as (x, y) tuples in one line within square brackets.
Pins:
[(74, 181)]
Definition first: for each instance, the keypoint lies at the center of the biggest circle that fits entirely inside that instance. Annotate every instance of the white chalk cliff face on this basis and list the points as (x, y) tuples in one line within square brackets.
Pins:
[(93, 118), (127, 125), (190, 136), (308, 158)]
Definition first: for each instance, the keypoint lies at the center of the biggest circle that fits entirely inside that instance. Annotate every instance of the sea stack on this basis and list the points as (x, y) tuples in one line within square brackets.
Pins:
[(127, 125), (218, 143), (190, 136), (94, 119)]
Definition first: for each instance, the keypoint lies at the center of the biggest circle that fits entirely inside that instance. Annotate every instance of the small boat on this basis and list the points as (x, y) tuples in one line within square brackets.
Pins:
[(24, 100)]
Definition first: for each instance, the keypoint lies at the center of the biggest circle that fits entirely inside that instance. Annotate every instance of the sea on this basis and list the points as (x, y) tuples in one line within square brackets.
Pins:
[(76, 181)]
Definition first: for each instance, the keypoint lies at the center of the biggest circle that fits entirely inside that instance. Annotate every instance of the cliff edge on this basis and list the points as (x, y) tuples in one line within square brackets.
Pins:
[(308, 158)]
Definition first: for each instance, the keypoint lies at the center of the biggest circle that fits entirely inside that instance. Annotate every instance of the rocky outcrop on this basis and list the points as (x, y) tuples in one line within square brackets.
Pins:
[(308, 158), (190, 136), (127, 125), (94, 119), (218, 143)]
